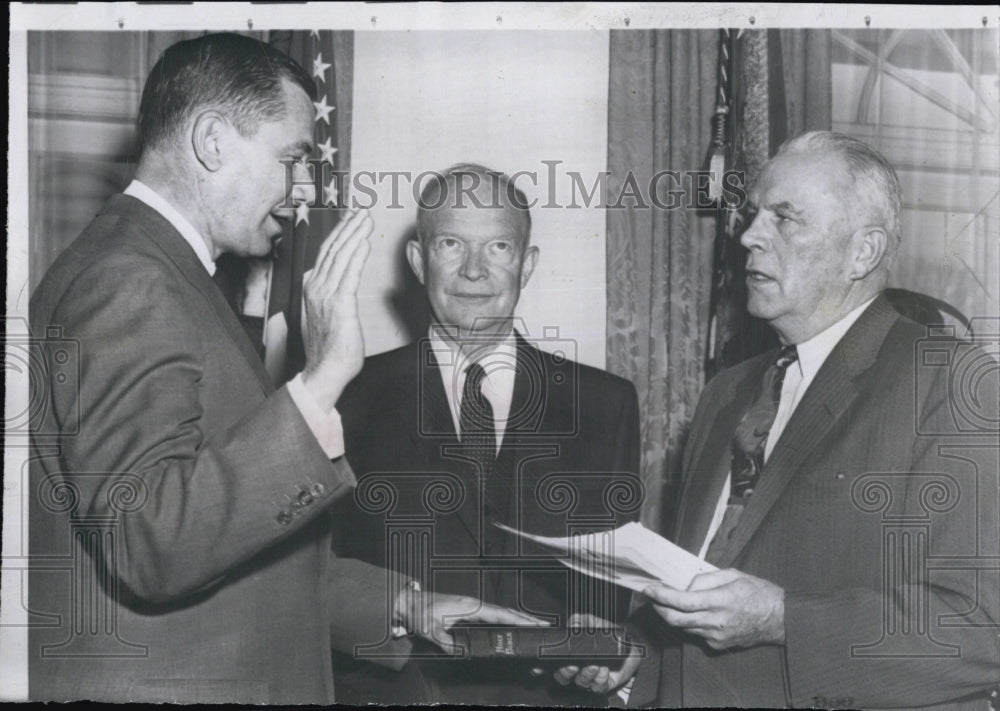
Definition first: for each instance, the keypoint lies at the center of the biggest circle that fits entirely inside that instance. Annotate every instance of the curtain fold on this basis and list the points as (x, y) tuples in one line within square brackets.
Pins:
[(661, 92), (807, 80)]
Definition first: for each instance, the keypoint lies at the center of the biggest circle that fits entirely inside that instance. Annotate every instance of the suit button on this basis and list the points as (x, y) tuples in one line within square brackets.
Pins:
[(305, 498), (318, 489), (284, 518)]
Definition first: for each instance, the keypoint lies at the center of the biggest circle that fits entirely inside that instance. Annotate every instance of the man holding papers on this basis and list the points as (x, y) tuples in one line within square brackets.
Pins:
[(846, 485)]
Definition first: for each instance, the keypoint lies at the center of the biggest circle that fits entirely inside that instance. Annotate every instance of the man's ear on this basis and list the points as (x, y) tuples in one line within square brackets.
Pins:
[(208, 135), (528, 265), (871, 245), (415, 256)]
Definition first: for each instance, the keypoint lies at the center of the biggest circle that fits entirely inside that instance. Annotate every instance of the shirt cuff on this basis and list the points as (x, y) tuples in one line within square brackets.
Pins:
[(626, 691), (398, 630), (325, 426)]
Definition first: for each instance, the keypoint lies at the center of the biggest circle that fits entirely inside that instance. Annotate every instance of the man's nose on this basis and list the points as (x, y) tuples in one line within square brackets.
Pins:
[(753, 236), (303, 187), (473, 265)]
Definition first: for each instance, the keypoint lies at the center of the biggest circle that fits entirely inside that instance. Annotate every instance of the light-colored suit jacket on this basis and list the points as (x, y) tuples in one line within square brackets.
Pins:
[(877, 512), (180, 516)]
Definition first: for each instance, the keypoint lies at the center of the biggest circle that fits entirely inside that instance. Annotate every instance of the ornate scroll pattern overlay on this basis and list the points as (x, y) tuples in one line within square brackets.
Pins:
[(620, 495), (409, 526), (93, 537)]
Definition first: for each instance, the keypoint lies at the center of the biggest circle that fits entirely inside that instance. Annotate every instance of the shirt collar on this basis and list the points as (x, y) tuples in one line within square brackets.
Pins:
[(814, 352), (505, 350), (142, 192)]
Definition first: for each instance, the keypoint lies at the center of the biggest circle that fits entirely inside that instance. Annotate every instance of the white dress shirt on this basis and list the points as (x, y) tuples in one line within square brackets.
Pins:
[(799, 375), (500, 365), (325, 426), (142, 192)]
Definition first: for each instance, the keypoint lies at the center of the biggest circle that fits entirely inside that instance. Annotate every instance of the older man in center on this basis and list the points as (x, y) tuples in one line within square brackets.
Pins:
[(505, 426)]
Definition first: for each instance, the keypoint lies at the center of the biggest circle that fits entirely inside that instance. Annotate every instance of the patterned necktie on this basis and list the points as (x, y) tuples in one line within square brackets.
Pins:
[(749, 443), (751, 435), (475, 419)]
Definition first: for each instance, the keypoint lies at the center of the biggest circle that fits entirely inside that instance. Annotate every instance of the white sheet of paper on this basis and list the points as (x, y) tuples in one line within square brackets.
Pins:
[(631, 556)]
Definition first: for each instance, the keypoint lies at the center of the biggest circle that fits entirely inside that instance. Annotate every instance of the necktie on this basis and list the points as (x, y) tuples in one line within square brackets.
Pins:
[(476, 420), (751, 434), (749, 442)]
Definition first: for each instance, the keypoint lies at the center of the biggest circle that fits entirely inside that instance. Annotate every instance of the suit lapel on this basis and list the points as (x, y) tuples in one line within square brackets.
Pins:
[(827, 399), (525, 417), (528, 401), (534, 408), (435, 414), (436, 436), (182, 256)]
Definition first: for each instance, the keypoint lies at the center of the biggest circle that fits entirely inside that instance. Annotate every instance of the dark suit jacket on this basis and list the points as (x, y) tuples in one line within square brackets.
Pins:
[(568, 462), (180, 507), (875, 512)]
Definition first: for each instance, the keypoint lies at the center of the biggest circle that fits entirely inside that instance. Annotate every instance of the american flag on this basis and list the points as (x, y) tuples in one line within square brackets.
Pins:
[(322, 53)]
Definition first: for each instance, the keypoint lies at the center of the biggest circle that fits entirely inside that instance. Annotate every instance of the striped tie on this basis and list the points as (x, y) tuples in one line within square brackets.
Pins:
[(478, 429)]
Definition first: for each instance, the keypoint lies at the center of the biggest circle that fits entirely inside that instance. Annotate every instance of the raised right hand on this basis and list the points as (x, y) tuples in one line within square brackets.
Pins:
[(331, 330)]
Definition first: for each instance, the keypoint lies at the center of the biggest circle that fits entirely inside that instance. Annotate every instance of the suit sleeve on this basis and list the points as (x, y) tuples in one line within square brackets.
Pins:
[(194, 497), (627, 441), (662, 645), (361, 600), (619, 421), (934, 636)]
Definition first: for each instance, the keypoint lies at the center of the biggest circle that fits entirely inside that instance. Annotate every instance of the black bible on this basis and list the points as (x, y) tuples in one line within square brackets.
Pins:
[(543, 646)]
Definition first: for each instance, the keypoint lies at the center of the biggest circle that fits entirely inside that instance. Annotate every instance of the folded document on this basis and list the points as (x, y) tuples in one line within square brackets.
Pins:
[(631, 556)]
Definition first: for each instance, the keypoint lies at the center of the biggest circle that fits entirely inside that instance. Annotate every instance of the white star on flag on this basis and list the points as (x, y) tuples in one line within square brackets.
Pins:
[(330, 193), (320, 67), (314, 33), (327, 149), (302, 213), (323, 109)]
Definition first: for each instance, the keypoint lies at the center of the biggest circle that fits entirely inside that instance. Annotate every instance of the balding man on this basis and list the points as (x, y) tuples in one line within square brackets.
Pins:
[(855, 524), (520, 436)]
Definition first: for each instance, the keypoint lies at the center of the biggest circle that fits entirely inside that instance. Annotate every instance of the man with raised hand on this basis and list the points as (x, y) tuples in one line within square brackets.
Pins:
[(180, 519)]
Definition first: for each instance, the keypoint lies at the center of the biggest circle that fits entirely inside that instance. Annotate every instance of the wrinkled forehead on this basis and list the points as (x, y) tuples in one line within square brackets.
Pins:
[(802, 174), (475, 211)]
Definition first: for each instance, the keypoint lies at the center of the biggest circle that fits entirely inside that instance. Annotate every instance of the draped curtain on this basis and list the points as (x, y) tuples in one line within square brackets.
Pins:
[(661, 94), (781, 87), (664, 265)]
